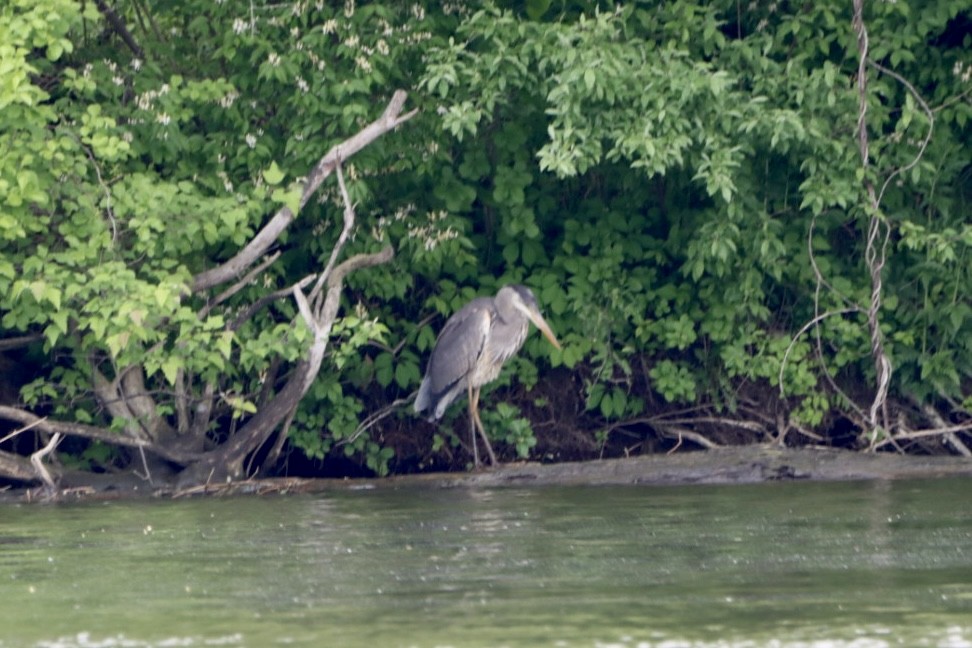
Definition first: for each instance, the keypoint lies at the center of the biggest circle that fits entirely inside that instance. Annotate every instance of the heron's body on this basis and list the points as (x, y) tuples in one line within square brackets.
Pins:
[(472, 348)]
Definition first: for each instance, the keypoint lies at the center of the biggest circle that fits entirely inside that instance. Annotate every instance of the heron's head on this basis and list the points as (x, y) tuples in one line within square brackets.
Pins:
[(524, 301)]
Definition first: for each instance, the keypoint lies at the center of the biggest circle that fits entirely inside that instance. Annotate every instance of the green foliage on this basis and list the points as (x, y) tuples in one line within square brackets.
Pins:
[(122, 177), (669, 178), (695, 150), (674, 381), (506, 425)]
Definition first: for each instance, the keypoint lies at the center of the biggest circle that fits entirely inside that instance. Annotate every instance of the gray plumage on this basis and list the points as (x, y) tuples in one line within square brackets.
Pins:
[(472, 348)]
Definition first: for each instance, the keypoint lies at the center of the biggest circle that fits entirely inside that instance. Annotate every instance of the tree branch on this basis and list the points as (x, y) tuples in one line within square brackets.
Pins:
[(90, 432), (7, 344), (119, 26), (342, 239), (255, 307), (238, 286), (37, 461), (260, 243), (109, 395)]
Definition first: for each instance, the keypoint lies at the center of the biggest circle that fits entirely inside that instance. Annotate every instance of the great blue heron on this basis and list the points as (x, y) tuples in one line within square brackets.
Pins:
[(470, 352)]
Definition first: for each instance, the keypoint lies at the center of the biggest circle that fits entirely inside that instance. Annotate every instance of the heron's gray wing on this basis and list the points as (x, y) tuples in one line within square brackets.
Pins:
[(456, 351)]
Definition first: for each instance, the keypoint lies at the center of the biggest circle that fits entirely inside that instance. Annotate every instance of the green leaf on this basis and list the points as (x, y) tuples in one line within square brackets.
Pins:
[(52, 333), (384, 370), (170, 369), (406, 374), (290, 198), (224, 343), (273, 175)]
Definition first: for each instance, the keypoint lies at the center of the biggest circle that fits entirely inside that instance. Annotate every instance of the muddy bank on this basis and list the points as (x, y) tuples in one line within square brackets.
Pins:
[(738, 465), (746, 464)]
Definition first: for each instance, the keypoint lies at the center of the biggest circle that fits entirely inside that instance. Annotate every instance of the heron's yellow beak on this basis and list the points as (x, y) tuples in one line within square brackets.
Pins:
[(541, 324)]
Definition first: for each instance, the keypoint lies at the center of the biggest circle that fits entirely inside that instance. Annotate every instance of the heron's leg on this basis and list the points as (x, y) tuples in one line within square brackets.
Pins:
[(479, 426), (472, 423)]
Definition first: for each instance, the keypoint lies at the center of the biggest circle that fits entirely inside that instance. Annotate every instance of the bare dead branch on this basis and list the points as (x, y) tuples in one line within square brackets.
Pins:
[(323, 319), (805, 432), (342, 239), (259, 304), (90, 432), (372, 419), (260, 243), (239, 285), (227, 460), (924, 434), (715, 420), (36, 460), (681, 432), (21, 430), (304, 309), (948, 431)]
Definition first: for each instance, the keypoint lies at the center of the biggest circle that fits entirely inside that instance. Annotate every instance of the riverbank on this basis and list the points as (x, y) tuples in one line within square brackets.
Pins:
[(743, 464)]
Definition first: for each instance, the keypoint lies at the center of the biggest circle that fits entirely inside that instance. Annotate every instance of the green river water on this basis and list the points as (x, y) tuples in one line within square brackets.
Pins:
[(787, 564)]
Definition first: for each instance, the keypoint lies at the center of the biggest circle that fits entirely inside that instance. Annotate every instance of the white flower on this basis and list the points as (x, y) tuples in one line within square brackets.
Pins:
[(302, 85), (273, 59), (228, 99), (239, 26), (144, 100), (250, 140), (227, 184), (136, 64), (330, 26), (163, 118)]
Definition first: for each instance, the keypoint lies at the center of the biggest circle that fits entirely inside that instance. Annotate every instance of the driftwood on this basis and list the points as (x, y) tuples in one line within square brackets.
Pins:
[(736, 465)]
